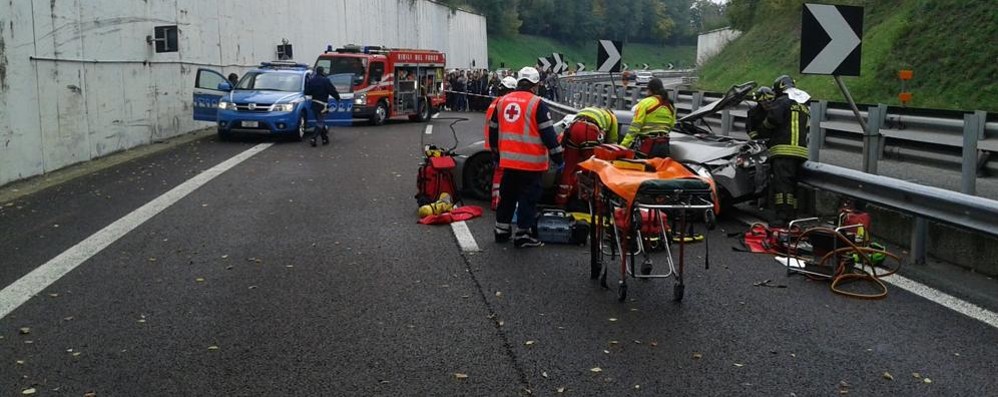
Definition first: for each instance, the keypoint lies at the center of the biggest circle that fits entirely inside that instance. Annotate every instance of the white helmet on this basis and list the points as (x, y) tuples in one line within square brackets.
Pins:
[(509, 82), (530, 74)]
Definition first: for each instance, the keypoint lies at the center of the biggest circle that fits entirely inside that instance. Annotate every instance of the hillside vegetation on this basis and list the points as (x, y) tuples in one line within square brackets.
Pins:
[(948, 43), (517, 51)]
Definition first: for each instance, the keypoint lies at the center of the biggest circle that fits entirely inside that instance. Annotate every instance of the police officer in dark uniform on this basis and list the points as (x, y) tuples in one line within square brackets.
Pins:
[(320, 89), (786, 126)]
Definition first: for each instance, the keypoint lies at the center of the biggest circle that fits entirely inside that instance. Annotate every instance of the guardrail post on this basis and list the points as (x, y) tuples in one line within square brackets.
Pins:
[(697, 100), (919, 234), (871, 138), (816, 134), (726, 121), (621, 97), (973, 127), (635, 97)]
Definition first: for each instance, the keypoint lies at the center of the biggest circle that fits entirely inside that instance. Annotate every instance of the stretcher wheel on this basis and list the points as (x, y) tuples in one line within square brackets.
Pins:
[(622, 292), (677, 292)]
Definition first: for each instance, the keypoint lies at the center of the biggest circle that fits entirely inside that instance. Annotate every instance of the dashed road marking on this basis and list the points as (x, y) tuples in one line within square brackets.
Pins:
[(429, 129), (435, 115), (14, 295), (464, 237)]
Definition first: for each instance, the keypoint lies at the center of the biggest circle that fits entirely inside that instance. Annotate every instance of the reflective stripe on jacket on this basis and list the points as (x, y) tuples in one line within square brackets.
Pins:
[(653, 116), (786, 126), (489, 122), (605, 120), (520, 144)]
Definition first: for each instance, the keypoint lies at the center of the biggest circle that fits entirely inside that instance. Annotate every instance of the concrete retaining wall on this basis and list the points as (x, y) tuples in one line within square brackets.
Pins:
[(108, 90), (712, 42)]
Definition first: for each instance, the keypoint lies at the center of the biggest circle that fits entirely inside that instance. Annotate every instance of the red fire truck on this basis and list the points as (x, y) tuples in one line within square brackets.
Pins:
[(382, 83)]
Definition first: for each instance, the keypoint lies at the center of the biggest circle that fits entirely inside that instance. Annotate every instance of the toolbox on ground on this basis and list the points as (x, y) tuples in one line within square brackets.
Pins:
[(559, 227)]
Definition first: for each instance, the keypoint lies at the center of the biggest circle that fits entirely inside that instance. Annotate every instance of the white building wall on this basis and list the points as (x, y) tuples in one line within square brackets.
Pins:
[(79, 81), (711, 43)]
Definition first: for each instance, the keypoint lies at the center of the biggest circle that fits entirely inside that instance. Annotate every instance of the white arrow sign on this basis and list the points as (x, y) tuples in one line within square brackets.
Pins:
[(644, 66), (671, 66), (559, 65), (844, 39), (545, 64), (580, 67), (612, 56)]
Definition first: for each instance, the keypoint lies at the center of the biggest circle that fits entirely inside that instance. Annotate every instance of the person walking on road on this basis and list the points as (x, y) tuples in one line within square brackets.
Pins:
[(786, 127), (320, 89), (523, 142), (591, 127), (654, 116)]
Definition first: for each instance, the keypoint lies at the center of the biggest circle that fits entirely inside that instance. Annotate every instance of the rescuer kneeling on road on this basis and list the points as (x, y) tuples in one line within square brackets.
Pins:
[(320, 89), (522, 137), (654, 116), (591, 127), (786, 128)]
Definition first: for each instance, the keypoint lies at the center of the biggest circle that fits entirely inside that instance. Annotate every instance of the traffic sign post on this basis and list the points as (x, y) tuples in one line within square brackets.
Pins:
[(608, 55), (831, 44)]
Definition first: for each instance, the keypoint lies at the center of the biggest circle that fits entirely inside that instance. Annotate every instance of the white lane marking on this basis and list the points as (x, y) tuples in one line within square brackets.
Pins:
[(950, 302), (435, 115), (941, 298), (31, 284), (429, 129), (464, 237)]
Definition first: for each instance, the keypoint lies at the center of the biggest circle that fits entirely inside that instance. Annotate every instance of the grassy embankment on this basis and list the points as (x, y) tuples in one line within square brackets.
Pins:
[(522, 50), (948, 44)]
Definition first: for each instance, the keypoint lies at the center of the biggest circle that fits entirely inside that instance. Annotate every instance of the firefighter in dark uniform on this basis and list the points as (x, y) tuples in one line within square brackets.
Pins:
[(785, 126)]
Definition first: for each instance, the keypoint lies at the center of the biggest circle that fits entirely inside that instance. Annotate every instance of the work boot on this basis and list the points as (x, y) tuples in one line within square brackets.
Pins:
[(502, 234), (524, 240), (311, 141), (325, 140)]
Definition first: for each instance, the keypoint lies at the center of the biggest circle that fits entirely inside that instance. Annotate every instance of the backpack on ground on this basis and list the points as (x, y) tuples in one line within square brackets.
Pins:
[(435, 176)]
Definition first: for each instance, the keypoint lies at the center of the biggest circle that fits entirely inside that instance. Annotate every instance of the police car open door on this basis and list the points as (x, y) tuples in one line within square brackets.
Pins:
[(207, 92)]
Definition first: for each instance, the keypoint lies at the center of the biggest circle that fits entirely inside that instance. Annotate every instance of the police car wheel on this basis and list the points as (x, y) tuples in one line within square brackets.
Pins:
[(302, 125), (380, 114)]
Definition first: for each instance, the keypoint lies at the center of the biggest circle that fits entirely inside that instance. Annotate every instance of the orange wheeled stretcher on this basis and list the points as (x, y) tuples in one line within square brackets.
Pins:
[(624, 195)]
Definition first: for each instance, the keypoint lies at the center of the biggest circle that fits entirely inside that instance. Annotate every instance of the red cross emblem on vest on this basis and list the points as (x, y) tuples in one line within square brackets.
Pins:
[(512, 112)]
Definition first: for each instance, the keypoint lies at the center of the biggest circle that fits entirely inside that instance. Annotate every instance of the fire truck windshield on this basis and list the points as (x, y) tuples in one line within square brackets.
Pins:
[(343, 65)]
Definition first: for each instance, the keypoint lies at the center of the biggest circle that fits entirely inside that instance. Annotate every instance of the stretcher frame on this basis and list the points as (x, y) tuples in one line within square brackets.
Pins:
[(603, 205)]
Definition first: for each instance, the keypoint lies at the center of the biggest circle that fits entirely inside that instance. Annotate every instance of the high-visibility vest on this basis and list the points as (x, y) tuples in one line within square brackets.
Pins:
[(520, 144), (605, 119), (488, 121)]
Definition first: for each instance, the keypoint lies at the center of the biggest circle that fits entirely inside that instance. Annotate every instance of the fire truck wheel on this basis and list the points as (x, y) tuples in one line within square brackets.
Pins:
[(380, 114), (424, 111)]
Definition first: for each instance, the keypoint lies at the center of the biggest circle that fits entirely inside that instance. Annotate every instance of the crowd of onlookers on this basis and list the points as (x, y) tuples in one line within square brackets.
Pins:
[(473, 89)]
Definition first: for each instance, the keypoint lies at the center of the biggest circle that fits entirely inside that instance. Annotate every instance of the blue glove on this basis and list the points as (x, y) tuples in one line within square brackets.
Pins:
[(560, 167)]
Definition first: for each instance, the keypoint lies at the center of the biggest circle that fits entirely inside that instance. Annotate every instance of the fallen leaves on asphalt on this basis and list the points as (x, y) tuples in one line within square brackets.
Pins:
[(916, 375), (25, 330), (458, 375), (544, 374), (596, 370), (561, 390), (212, 347), (926, 380), (29, 391), (199, 279), (888, 376), (613, 320), (739, 365), (529, 342)]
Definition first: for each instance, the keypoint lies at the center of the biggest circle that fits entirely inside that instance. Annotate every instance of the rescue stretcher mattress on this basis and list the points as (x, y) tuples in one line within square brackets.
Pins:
[(662, 181)]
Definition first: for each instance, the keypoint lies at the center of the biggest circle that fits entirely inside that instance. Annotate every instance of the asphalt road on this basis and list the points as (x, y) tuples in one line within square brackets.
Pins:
[(301, 271)]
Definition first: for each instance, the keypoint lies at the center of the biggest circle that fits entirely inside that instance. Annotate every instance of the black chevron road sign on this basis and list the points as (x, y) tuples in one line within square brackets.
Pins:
[(831, 39)]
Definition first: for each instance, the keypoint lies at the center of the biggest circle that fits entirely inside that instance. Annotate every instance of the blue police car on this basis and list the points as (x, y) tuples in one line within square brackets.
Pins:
[(268, 100)]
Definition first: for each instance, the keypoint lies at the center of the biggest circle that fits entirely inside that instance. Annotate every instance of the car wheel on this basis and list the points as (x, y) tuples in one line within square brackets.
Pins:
[(380, 114), (478, 176), (301, 130)]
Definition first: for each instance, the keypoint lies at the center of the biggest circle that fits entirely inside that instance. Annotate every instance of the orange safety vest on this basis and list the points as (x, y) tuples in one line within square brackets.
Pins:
[(520, 144), (488, 119)]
